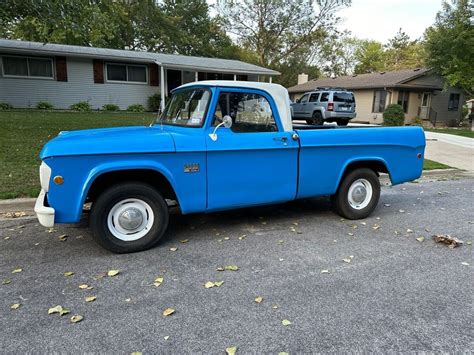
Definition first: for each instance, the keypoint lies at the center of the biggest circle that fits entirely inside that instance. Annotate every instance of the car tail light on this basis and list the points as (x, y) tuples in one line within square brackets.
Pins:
[(330, 106)]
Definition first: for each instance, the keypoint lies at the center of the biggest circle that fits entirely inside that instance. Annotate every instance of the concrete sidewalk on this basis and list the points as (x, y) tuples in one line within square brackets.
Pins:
[(455, 151)]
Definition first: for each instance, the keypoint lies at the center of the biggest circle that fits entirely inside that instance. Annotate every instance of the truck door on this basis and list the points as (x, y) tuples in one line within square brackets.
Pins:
[(254, 161), (312, 105)]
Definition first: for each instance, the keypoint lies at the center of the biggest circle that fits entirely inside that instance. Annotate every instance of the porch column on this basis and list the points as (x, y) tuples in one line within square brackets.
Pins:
[(162, 87), (196, 76), (235, 77), (270, 79)]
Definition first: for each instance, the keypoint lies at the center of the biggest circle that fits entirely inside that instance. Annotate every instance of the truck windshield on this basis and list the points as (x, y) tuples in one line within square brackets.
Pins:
[(186, 108)]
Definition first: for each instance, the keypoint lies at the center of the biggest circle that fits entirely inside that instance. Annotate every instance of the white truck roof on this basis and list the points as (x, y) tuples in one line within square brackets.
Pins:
[(278, 92)]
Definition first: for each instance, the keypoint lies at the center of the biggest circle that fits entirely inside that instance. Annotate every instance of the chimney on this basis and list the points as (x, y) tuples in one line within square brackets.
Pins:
[(302, 78)]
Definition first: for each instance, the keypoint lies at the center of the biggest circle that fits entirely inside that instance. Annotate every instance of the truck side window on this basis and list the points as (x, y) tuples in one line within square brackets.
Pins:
[(249, 112), (313, 98), (324, 97), (303, 98)]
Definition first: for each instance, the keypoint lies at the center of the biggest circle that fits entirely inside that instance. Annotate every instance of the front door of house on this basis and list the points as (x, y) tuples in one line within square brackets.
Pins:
[(425, 105)]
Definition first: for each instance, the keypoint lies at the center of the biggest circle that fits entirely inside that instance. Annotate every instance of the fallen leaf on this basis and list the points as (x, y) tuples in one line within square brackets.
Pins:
[(128, 299), (76, 319), (286, 322), (375, 227), (166, 337), (351, 234), (363, 223), (452, 242), (243, 236), (409, 230), (68, 273), (420, 239), (62, 237), (275, 306), (346, 260), (231, 267), (281, 241), (218, 283), (91, 298), (387, 205), (283, 353), (226, 238), (231, 350), (85, 287), (6, 282), (469, 242), (16, 271), (112, 273), (259, 299), (58, 309), (465, 264), (168, 311), (325, 271), (158, 281), (184, 241), (401, 211), (173, 249), (15, 305), (136, 353)]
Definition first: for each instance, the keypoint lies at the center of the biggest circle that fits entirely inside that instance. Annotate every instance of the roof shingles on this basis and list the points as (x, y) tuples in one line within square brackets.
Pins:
[(363, 81)]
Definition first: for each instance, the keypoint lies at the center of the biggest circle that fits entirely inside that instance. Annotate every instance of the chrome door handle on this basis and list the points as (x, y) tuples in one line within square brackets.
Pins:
[(283, 139)]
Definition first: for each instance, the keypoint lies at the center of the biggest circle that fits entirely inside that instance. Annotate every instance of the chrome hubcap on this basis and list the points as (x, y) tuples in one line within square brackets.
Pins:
[(130, 219), (360, 194)]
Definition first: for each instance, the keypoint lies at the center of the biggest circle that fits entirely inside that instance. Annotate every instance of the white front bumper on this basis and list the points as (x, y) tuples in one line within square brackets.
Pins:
[(45, 214)]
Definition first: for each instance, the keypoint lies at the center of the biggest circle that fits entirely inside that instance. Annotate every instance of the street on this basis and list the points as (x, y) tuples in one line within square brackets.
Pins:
[(344, 286)]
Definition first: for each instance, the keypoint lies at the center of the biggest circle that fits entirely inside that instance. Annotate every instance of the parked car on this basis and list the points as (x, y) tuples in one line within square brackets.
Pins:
[(218, 145), (325, 105)]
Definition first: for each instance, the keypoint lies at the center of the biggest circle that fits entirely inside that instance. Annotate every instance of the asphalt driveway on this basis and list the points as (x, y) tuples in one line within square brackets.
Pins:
[(392, 292)]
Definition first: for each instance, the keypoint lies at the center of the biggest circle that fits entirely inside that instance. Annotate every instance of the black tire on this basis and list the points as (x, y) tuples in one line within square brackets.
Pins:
[(342, 122), (317, 118), (112, 197), (341, 199)]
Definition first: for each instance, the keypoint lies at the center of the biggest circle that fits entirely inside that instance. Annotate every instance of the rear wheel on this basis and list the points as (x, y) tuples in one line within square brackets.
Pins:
[(342, 122), (358, 194), (316, 119), (129, 217)]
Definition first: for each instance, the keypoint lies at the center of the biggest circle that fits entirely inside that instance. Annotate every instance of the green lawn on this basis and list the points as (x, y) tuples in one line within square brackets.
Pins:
[(456, 132), (24, 132), (432, 165)]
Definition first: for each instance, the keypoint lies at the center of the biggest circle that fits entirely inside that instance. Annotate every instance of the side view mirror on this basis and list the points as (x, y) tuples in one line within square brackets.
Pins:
[(226, 122)]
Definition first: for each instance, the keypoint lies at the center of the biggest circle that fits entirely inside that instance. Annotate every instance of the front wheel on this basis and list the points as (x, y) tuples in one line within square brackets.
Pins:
[(129, 217), (358, 194)]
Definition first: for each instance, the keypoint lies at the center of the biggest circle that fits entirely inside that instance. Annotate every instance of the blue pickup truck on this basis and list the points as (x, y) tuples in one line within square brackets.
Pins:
[(218, 145)]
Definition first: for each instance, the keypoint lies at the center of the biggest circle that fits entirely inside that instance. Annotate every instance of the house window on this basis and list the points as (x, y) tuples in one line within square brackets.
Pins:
[(28, 67), (127, 73), (380, 97), (453, 104), (403, 97)]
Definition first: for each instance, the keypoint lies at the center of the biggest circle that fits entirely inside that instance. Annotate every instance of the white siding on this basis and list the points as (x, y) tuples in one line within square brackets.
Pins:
[(24, 92)]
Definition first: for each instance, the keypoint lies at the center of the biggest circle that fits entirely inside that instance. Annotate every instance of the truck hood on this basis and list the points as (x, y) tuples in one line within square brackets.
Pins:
[(120, 140)]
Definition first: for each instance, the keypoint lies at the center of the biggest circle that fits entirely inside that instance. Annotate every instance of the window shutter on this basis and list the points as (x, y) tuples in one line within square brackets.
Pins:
[(98, 71), (154, 76), (61, 69)]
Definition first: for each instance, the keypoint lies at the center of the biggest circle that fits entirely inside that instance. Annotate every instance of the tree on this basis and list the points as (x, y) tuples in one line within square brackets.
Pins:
[(169, 26), (336, 56), (370, 57), (276, 30), (403, 53), (450, 44)]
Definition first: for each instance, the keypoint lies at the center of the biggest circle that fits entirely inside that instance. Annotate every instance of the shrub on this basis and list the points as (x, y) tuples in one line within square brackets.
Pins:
[(154, 102), (44, 105), (110, 107), (136, 108), (5, 106), (81, 106), (417, 121), (393, 115), (452, 123)]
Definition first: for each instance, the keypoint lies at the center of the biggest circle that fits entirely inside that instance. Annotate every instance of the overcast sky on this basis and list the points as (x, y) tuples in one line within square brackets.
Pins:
[(381, 19)]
